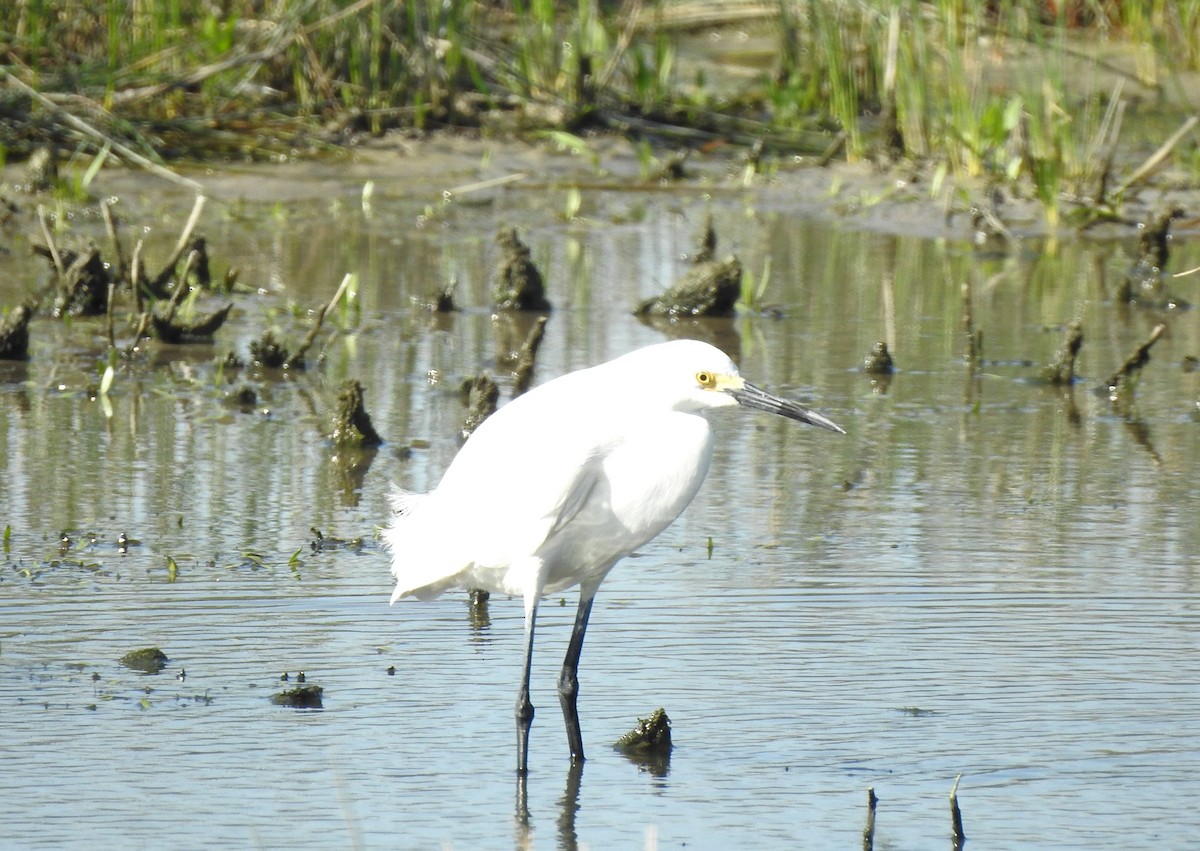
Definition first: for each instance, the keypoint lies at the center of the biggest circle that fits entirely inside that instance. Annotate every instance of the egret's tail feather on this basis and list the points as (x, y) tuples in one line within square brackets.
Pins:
[(403, 502), (423, 563)]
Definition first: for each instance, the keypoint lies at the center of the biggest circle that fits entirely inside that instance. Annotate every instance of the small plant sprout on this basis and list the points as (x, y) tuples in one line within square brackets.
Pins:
[(574, 203), (750, 299), (368, 192)]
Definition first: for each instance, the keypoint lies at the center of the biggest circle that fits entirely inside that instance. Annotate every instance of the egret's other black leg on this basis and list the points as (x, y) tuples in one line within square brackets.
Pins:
[(568, 679), (524, 705)]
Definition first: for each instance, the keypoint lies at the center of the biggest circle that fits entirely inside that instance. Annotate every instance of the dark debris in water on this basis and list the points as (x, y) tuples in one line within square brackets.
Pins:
[(170, 329), (1145, 285), (268, 351), (243, 397), (83, 281), (481, 394), (14, 333), (148, 660), (321, 542), (301, 697)]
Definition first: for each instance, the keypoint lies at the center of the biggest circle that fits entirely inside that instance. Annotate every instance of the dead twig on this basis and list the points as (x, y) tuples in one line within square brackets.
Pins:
[(110, 226), (51, 246), (1155, 160), (180, 246), (297, 360)]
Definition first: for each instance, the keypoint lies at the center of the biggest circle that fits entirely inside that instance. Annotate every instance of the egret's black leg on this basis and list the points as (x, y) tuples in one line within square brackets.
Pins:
[(568, 679), (524, 705)]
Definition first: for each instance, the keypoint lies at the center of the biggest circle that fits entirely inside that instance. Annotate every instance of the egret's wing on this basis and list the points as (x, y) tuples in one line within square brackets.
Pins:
[(492, 509)]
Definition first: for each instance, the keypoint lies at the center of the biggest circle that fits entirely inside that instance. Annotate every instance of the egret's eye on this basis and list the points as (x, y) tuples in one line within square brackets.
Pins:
[(705, 379)]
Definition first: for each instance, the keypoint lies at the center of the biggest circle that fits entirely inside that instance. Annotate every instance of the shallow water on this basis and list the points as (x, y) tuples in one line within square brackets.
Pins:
[(985, 577)]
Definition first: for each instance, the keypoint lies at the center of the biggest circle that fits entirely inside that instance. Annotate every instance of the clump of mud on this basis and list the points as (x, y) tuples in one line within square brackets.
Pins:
[(518, 282), (352, 424), (879, 361), (710, 288), (482, 394)]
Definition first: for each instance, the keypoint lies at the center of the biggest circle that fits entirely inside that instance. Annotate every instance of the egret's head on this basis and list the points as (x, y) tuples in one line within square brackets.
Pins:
[(700, 376)]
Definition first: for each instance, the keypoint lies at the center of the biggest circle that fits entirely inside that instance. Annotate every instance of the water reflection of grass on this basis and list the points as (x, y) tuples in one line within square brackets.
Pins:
[(1016, 94)]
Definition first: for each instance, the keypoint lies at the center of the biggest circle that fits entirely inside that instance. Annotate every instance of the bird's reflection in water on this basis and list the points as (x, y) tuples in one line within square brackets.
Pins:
[(568, 808), (658, 764)]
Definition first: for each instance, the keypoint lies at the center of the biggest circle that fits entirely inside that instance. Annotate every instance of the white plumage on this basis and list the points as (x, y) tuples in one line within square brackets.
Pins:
[(561, 483)]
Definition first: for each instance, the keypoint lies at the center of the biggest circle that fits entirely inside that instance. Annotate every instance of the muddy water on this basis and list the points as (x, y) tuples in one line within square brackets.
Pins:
[(986, 577)]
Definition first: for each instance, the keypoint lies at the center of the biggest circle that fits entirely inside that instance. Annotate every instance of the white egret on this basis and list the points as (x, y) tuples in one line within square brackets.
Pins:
[(563, 482)]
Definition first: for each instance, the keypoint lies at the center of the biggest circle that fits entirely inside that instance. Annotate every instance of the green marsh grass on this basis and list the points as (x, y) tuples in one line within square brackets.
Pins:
[(984, 91)]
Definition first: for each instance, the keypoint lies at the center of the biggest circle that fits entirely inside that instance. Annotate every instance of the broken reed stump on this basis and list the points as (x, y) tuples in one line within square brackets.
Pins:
[(956, 822), (972, 335), (869, 830), (268, 351), (352, 424), (523, 371), (1128, 370), (518, 283), (1061, 370)]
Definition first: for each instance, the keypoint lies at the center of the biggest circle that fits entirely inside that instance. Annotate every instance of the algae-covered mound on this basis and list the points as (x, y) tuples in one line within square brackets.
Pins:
[(301, 697), (879, 360), (710, 288), (651, 735), (149, 660)]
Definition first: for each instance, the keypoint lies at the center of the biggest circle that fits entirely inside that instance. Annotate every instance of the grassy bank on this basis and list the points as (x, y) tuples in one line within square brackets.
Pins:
[(1003, 92)]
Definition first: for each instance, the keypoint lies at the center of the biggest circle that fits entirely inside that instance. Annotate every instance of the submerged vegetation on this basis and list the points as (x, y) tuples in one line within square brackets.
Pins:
[(1028, 95)]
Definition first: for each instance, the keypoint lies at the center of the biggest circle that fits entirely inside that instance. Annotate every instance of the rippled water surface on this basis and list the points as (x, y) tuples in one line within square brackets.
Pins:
[(985, 577)]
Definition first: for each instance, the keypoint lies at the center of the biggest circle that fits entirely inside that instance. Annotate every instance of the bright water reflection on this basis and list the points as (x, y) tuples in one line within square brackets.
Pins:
[(986, 577)]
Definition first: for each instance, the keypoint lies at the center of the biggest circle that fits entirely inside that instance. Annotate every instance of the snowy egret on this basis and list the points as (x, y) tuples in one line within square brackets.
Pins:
[(563, 482)]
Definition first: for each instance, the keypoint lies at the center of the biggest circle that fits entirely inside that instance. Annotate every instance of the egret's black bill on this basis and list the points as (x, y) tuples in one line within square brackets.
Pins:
[(749, 396)]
